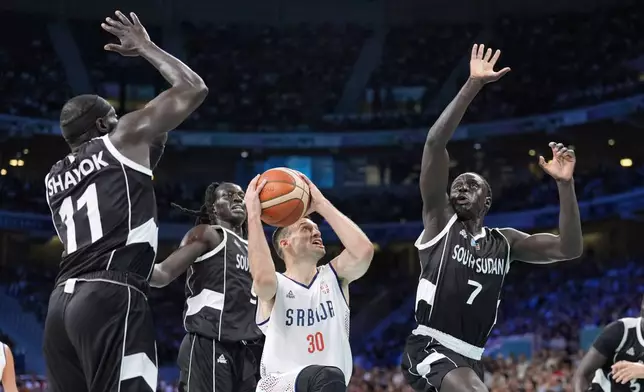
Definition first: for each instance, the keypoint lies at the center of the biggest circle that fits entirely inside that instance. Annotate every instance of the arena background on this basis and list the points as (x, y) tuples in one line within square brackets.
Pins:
[(344, 91)]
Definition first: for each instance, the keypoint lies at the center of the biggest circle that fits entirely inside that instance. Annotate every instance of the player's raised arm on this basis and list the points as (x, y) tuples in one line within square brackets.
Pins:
[(603, 348), (545, 247), (262, 267), (170, 108), (435, 161), (358, 251), (199, 240)]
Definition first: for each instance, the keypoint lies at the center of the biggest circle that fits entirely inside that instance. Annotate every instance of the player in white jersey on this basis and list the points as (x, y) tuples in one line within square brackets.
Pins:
[(7, 370), (304, 312)]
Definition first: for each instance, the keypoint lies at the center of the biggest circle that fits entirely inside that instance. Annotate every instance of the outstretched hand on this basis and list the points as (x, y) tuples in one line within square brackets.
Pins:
[(131, 34), (562, 165), (482, 65)]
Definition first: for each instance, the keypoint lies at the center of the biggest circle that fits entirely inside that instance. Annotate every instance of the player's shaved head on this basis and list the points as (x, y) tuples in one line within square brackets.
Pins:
[(84, 117)]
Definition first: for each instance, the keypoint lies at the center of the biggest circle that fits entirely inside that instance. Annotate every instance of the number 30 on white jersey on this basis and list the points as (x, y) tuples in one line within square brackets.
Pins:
[(307, 326)]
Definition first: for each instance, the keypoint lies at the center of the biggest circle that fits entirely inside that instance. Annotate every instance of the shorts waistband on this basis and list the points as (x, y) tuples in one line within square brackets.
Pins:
[(115, 277), (455, 344)]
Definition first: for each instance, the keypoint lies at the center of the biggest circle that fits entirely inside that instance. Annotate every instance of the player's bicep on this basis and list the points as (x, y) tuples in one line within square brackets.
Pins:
[(265, 286), (534, 248), (163, 114), (589, 364)]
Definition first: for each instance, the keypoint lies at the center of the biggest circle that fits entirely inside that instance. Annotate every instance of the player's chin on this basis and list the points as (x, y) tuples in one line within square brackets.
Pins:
[(318, 250), (464, 212), (238, 214)]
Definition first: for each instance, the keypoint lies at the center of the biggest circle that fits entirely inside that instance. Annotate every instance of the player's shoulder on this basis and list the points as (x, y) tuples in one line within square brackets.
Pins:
[(327, 269), (630, 322), (617, 328), (213, 235)]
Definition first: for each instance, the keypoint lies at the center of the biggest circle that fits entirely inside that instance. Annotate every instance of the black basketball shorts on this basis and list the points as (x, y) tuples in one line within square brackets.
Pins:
[(209, 365), (426, 362), (99, 337)]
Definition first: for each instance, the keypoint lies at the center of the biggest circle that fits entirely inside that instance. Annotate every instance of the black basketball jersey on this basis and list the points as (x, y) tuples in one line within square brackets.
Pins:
[(104, 211), (460, 286), (621, 340), (220, 303)]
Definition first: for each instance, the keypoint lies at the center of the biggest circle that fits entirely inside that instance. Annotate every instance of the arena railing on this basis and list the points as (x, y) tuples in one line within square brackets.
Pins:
[(25, 126)]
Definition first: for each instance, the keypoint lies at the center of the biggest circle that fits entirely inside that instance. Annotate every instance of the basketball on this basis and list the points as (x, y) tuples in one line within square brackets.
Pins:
[(284, 198)]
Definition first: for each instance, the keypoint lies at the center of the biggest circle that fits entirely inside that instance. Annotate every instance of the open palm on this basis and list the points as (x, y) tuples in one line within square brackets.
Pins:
[(482, 65), (562, 165)]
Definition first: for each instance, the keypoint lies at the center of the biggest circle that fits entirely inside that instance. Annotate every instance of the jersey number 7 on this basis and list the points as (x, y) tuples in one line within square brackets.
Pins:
[(316, 342), (477, 290), (88, 199)]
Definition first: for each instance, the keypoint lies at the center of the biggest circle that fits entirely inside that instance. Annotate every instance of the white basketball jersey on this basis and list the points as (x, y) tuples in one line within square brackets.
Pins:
[(3, 360), (307, 326)]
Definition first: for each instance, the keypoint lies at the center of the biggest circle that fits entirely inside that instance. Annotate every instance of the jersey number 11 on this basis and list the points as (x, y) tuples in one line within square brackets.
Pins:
[(88, 199)]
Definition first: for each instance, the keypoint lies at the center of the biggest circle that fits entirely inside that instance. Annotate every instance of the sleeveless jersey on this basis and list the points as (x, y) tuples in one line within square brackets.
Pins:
[(104, 211), (307, 326), (220, 303), (460, 286), (628, 346), (3, 360)]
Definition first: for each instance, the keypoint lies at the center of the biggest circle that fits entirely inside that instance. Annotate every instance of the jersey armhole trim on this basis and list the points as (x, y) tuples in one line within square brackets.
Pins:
[(624, 337), (339, 280), (509, 258), (213, 252), (418, 244), (123, 159)]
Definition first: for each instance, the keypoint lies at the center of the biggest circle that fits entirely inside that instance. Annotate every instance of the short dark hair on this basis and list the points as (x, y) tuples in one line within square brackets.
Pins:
[(278, 235), (78, 117)]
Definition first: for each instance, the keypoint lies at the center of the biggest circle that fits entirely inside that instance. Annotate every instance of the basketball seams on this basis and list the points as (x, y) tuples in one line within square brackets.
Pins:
[(295, 193), (283, 182)]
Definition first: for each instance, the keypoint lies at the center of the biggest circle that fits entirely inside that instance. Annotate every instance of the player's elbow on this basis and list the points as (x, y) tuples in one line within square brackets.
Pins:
[(572, 251), (192, 92), (364, 253), (198, 91), (159, 277)]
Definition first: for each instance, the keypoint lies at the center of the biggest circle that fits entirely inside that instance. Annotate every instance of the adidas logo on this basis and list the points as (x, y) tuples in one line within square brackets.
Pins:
[(290, 294), (630, 351), (222, 359)]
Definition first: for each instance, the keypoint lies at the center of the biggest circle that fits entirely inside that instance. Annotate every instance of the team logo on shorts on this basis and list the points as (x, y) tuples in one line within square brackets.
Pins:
[(324, 288)]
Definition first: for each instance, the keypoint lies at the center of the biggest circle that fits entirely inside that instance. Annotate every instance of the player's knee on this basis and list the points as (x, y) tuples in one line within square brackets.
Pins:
[(321, 379)]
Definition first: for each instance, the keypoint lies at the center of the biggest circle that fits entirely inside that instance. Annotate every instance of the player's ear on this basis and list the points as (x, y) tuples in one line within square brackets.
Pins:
[(488, 202), (101, 125)]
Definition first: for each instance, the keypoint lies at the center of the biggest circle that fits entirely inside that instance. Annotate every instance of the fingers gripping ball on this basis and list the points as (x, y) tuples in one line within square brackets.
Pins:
[(285, 197)]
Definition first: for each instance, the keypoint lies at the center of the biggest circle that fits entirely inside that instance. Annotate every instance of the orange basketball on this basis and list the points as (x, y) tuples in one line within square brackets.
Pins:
[(285, 197)]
